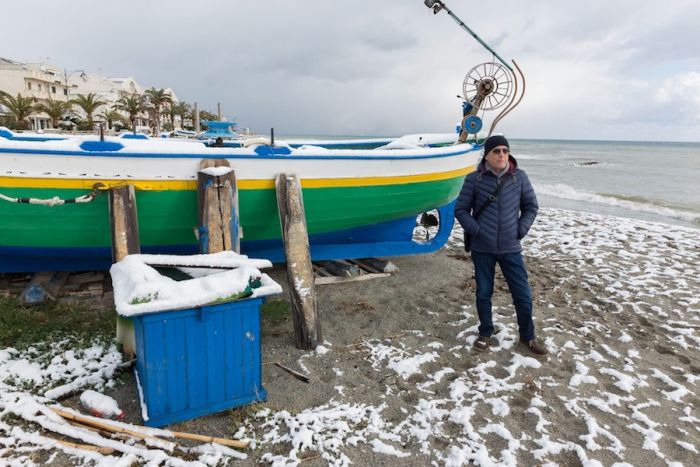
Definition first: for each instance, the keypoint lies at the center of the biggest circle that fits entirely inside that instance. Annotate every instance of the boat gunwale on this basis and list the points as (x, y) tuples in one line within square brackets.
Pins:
[(228, 155)]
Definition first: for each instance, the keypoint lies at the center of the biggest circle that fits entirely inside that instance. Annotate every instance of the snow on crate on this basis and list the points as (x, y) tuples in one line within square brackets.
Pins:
[(139, 288)]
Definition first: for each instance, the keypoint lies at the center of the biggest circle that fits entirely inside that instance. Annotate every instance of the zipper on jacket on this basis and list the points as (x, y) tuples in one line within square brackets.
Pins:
[(498, 222)]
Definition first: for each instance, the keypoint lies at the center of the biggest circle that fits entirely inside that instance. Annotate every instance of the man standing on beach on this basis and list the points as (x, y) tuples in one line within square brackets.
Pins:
[(496, 208)]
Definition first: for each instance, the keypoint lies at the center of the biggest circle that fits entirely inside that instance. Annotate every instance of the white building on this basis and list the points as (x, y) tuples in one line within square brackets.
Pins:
[(44, 82)]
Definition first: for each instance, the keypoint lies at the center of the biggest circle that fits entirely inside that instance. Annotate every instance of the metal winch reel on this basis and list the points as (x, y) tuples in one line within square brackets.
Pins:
[(488, 86)]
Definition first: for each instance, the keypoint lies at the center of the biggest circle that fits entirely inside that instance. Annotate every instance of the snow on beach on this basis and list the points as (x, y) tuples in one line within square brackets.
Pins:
[(30, 382), (617, 301)]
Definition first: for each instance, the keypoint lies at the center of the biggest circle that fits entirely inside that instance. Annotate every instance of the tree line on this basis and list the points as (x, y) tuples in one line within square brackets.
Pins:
[(155, 103)]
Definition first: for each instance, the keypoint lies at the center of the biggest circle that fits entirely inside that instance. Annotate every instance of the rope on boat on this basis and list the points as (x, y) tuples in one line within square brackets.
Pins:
[(56, 201)]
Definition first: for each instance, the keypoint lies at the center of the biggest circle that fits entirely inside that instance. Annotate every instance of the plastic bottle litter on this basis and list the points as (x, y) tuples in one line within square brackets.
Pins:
[(100, 405)]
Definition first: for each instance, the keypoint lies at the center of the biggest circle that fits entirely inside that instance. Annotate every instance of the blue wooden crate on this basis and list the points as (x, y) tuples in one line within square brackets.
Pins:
[(198, 361)]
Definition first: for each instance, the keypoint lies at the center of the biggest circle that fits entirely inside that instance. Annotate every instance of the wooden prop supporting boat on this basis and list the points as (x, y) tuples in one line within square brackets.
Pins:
[(124, 230), (300, 272), (217, 196)]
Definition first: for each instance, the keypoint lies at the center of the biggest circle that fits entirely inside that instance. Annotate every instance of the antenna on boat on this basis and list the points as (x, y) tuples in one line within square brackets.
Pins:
[(488, 86), (272, 136), (102, 131)]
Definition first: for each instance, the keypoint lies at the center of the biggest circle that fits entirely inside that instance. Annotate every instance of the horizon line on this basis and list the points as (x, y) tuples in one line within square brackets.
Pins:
[(291, 134)]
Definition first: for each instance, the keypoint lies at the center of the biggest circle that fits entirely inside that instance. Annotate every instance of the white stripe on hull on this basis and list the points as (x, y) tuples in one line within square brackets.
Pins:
[(303, 163)]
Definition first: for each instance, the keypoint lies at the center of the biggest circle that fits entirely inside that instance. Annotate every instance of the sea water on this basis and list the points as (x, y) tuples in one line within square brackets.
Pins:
[(650, 181)]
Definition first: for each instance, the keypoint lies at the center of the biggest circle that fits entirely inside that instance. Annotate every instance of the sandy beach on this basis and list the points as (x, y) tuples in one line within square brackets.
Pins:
[(396, 382)]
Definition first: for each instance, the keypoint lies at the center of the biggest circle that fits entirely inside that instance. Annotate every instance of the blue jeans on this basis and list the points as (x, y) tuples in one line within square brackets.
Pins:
[(513, 269)]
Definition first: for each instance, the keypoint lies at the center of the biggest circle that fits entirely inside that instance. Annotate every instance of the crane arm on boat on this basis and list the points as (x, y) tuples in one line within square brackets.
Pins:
[(437, 6), (487, 86)]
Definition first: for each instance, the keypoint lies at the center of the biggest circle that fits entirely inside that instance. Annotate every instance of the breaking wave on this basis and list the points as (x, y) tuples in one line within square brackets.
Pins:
[(521, 156), (632, 203)]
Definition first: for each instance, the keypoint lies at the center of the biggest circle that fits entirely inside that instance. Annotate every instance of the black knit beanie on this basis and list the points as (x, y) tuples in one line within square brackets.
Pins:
[(495, 141)]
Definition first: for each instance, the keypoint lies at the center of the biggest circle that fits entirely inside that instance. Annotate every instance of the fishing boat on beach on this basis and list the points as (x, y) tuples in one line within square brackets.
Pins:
[(360, 198), (358, 203)]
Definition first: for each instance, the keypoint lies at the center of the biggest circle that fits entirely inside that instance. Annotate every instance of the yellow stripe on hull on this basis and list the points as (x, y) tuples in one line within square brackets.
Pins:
[(177, 185)]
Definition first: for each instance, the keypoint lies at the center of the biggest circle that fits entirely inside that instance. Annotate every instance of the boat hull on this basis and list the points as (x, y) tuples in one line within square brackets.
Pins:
[(351, 211), (392, 238)]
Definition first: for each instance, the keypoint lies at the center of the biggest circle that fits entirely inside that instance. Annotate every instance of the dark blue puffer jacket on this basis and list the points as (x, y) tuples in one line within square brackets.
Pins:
[(508, 219)]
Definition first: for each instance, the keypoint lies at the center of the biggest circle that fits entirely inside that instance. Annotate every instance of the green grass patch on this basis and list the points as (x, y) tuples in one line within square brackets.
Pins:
[(21, 326), (147, 299), (276, 310)]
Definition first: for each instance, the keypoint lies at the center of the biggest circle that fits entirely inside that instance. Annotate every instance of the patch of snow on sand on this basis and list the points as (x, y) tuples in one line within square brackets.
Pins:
[(397, 359), (30, 378), (621, 319)]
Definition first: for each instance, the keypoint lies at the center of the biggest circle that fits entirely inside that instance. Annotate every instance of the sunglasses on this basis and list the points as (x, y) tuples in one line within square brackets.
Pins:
[(501, 151)]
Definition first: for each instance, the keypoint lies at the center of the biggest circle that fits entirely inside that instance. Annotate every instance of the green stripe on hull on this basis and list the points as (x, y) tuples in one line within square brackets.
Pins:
[(168, 217)]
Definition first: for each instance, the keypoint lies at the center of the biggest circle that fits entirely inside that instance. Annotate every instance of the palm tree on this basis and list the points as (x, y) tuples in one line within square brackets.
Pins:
[(158, 98), (54, 109), (110, 116), (89, 103), (20, 107), (132, 105), (168, 111), (177, 109), (208, 116), (182, 110)]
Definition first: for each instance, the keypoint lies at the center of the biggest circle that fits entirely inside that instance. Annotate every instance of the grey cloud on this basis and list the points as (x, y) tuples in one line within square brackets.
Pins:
[(381, 67)]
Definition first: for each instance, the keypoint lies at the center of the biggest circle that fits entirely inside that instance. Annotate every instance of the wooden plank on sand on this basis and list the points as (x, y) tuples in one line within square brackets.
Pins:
[(338, 280)]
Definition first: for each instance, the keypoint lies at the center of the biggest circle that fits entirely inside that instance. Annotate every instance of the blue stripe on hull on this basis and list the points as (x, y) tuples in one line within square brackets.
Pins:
[(385, 239)]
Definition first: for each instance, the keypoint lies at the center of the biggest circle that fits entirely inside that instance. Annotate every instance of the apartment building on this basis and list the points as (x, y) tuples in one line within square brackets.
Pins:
[(48, 82)]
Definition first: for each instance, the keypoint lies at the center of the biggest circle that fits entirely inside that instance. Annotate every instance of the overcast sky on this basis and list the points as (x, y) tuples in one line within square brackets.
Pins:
[(600, 69)]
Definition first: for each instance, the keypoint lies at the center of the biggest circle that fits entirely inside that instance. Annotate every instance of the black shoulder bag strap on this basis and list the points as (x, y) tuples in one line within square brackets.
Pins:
[(492, 197)]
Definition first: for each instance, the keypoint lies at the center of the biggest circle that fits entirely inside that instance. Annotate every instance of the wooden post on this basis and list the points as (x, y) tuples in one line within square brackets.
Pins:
[(300, 273), (123, 222), (217, 192), (124, 227), (197, 126)]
